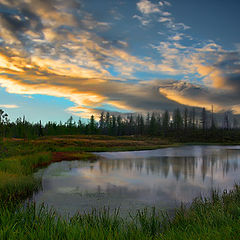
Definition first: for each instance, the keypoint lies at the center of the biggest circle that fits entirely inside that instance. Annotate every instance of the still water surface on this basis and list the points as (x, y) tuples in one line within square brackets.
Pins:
[(134, 180)]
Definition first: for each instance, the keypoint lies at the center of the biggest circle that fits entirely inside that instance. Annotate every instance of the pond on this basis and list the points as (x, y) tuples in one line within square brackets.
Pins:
[(134, 180)]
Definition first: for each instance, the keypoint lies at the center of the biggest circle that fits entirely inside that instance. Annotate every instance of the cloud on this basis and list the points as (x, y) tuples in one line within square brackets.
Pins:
[(91, 89), (147, 7), (57, 48), (197, 95), (176, 37), (8, 106), (89, 97), (203, 61), (168, 20), (164, 19), (223, 69), (143, 20), (88, 88), (212, 73), (170, 23), (167, 3), (187, 94)]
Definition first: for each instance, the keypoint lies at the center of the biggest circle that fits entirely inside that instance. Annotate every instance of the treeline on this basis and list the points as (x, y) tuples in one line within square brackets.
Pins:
[(186, 125)]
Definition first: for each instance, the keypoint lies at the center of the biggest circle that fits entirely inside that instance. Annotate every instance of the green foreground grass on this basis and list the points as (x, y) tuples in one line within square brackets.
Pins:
[(215, 218), (16, 179)]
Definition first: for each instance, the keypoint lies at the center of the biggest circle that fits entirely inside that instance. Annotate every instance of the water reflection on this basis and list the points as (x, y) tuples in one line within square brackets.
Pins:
[(181, 167), (133, 180)]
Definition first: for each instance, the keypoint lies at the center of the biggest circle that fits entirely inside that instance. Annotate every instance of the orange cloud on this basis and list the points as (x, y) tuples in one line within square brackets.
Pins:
[(7, 64), (9, 106), (185, 95), (181, 99)]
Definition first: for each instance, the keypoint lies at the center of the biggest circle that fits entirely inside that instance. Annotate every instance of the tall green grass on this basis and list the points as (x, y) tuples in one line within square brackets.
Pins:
[(217, 217), (16, 180), (14, 188)]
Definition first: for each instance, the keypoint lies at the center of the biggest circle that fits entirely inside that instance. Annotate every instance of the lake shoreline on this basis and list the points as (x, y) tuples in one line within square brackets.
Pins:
[(35, 154), (20, 159)]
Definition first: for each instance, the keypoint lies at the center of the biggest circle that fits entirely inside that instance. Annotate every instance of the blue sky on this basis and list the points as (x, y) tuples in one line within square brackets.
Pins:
[(61, 58)]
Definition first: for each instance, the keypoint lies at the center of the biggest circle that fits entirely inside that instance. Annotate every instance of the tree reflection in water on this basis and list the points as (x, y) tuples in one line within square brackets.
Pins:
[(134, 180)]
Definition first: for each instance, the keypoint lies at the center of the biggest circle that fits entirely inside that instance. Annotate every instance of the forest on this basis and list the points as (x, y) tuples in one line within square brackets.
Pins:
[(186, 125)]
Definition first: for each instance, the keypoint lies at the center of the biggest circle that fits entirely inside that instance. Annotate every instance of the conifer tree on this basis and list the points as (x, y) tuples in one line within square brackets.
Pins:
[(166, 120), (102, 123), (185, 118), (204, 120), (153, 125), (92, 125), (177, 120), (119, 125)]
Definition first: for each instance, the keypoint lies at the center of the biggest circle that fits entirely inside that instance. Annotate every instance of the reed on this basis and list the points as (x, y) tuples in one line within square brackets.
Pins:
[(217, 217)]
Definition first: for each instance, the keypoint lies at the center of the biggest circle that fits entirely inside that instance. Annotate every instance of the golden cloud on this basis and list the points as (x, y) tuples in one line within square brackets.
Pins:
[(176, 96), (9, 106)]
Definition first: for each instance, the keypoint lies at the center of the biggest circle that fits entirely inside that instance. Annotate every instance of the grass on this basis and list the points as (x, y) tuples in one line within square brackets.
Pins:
[(78, 143), (16, 180), (217, 217), (16, 172)]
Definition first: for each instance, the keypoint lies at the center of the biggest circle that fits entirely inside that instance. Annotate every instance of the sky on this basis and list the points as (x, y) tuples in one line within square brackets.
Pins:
[(60, 58)]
